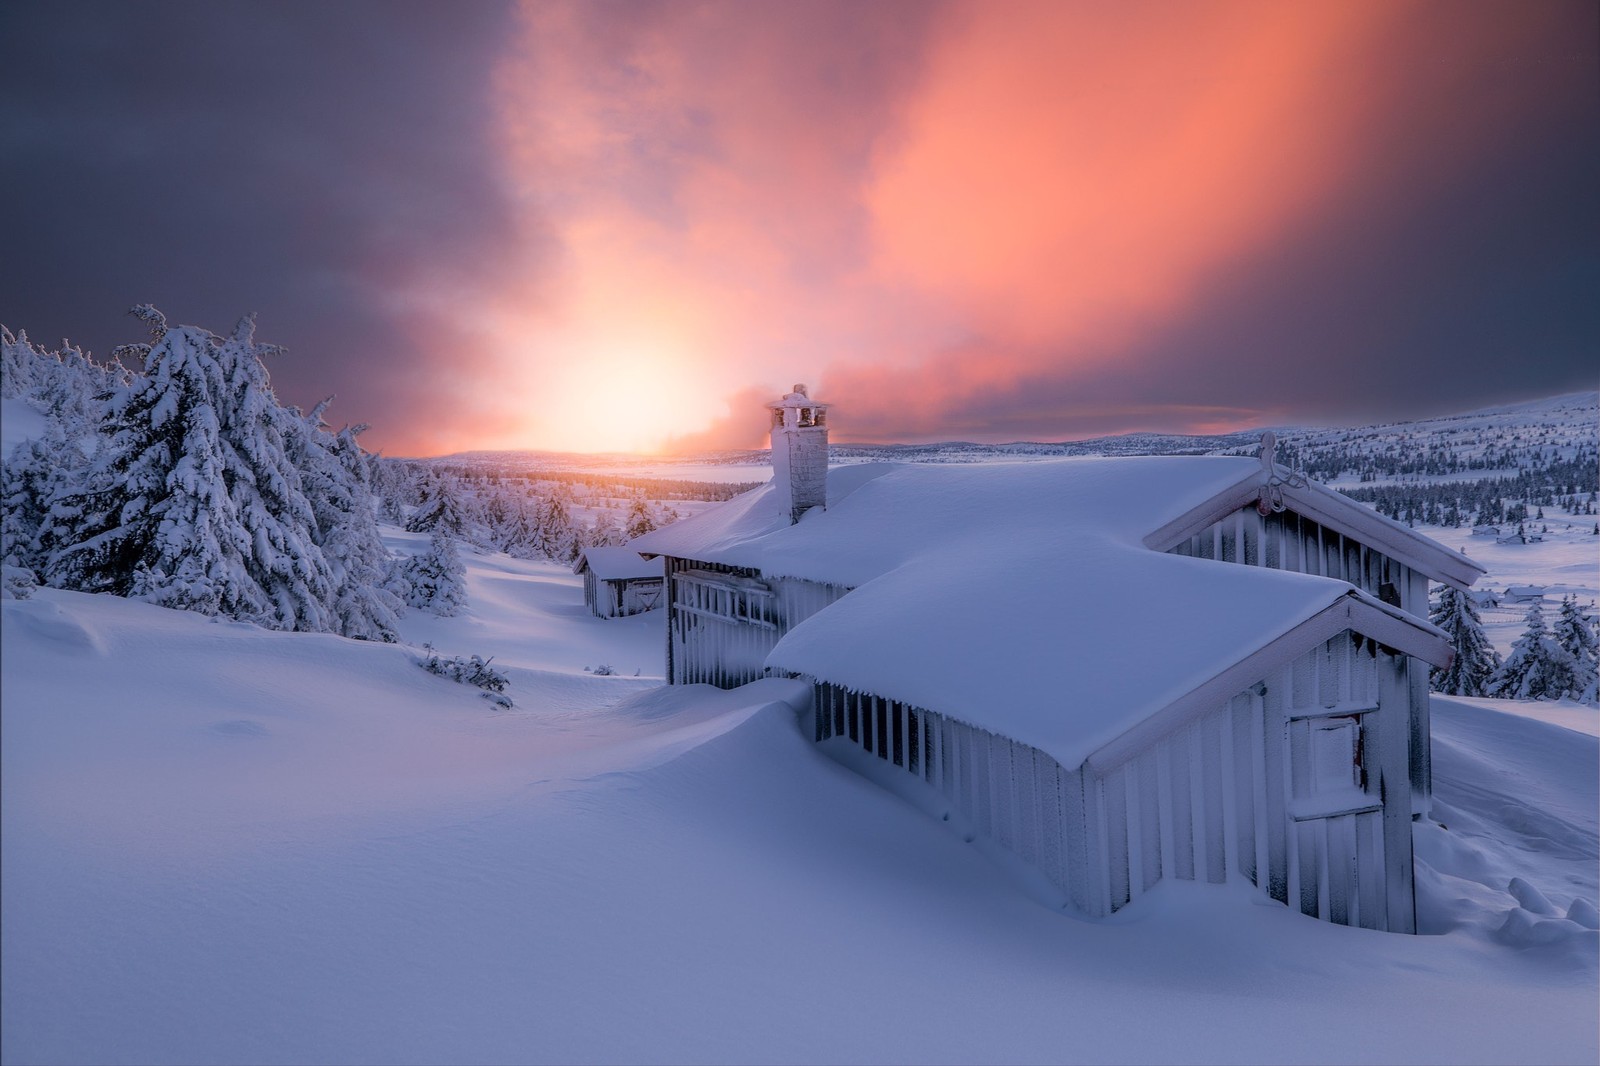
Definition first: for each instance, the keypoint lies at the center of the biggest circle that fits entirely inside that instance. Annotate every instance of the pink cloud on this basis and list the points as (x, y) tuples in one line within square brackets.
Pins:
[(929, 211)]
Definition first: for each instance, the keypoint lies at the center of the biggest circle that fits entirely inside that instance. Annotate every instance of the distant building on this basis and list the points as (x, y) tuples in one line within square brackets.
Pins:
[(1485, 531), (1066, 659), (1484, 597), (617, 582), (1525, 594)]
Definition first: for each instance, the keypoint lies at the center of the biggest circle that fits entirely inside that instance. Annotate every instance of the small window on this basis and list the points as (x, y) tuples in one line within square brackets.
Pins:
[(1335, 755)]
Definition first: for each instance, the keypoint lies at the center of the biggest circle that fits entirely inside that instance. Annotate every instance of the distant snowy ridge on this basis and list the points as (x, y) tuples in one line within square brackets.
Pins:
[(1569, 415)]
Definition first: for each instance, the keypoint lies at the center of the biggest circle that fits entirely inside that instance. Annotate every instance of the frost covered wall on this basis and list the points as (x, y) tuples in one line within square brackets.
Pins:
[(619, 598), (1289, 541), (724, 620), (1282, 786), (800, 469)]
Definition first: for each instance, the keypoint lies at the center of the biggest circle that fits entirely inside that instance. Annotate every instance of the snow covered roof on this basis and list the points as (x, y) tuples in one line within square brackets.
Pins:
[(796, 397), (617, 564), (1022, 598)]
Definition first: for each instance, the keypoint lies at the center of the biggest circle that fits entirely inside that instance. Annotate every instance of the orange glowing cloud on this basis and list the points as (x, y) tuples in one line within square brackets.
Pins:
[(934, 214), (702, 180), (1063, 172)]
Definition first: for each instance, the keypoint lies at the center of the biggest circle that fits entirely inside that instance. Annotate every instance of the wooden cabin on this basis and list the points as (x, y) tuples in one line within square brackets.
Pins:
[(1114, 670), (618, 581)]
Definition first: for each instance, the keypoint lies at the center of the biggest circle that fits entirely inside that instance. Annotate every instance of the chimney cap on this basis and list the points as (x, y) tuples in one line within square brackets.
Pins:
[(797, 397)]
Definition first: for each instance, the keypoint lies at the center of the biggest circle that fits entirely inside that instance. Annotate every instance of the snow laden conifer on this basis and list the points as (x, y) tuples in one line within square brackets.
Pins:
[(639, 521), (1537, 668), (558, 539), (282, 553), (192, 501), (335, 475), (437, 579), (519, 538), (442, 507), (1475, 658), (1577, 639), (17, 361), (603, 532), (38, 485), (42, 475), (156, 510)]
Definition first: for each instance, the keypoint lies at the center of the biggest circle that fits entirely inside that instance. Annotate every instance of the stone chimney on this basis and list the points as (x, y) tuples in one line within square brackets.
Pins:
[(799, 453)]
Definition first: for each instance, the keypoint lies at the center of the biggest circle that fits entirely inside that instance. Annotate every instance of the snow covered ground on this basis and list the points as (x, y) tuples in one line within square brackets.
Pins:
[(222, 844), (1566, 562)]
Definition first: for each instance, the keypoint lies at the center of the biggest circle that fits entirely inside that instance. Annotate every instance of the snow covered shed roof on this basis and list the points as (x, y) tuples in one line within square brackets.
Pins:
[(1022, 598), (617, 564)]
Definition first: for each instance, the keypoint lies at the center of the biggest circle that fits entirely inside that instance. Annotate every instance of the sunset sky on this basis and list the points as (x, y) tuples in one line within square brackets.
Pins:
[(623, 226)]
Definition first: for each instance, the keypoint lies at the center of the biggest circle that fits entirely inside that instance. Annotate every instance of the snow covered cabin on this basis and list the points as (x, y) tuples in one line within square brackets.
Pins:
[(1070, 659), (618, 581)]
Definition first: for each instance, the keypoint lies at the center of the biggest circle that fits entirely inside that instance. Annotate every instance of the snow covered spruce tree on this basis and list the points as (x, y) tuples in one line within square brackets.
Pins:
[(603, 533), (1475, 658), (1537, 668), (1577, 639), (192, 501), (334, 472), (437, 580), (519, 537), (18, 358), (44, 473), (639, 521), (37, 486), (442, 507), (558, 539)]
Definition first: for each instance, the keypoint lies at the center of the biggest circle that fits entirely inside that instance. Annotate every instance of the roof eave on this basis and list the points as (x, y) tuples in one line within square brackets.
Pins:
[(1329, 508)]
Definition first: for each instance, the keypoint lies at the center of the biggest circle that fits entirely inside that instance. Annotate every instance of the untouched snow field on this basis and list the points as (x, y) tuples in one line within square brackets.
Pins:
[(222, 844)]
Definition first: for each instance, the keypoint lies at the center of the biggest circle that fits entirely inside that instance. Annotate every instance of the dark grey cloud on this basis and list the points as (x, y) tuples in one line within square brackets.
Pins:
[(1458, 267), (303, 160), (1463, 270)]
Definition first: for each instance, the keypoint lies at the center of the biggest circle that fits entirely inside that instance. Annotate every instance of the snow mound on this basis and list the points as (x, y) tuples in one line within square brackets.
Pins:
[(51, 627), (1511, 856)]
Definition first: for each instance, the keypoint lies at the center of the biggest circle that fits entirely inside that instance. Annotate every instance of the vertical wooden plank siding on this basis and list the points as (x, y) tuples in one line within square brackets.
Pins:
[(1116, 826), (722, 621), (1172, 788), (1394, 783), (1012, 794), (1083, 857), (1211, 778), (1288, 541), (1234, 794), (1421, 724)]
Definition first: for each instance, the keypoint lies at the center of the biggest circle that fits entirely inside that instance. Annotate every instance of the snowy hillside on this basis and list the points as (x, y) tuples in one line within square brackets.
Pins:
[(224, 844), (229, 843)]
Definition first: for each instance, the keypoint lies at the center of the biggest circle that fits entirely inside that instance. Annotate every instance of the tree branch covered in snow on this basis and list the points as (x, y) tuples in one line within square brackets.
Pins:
[(475, 670)]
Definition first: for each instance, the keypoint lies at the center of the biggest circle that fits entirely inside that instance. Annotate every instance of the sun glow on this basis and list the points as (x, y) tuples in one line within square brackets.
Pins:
[(1017, 227), (619, 396)]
